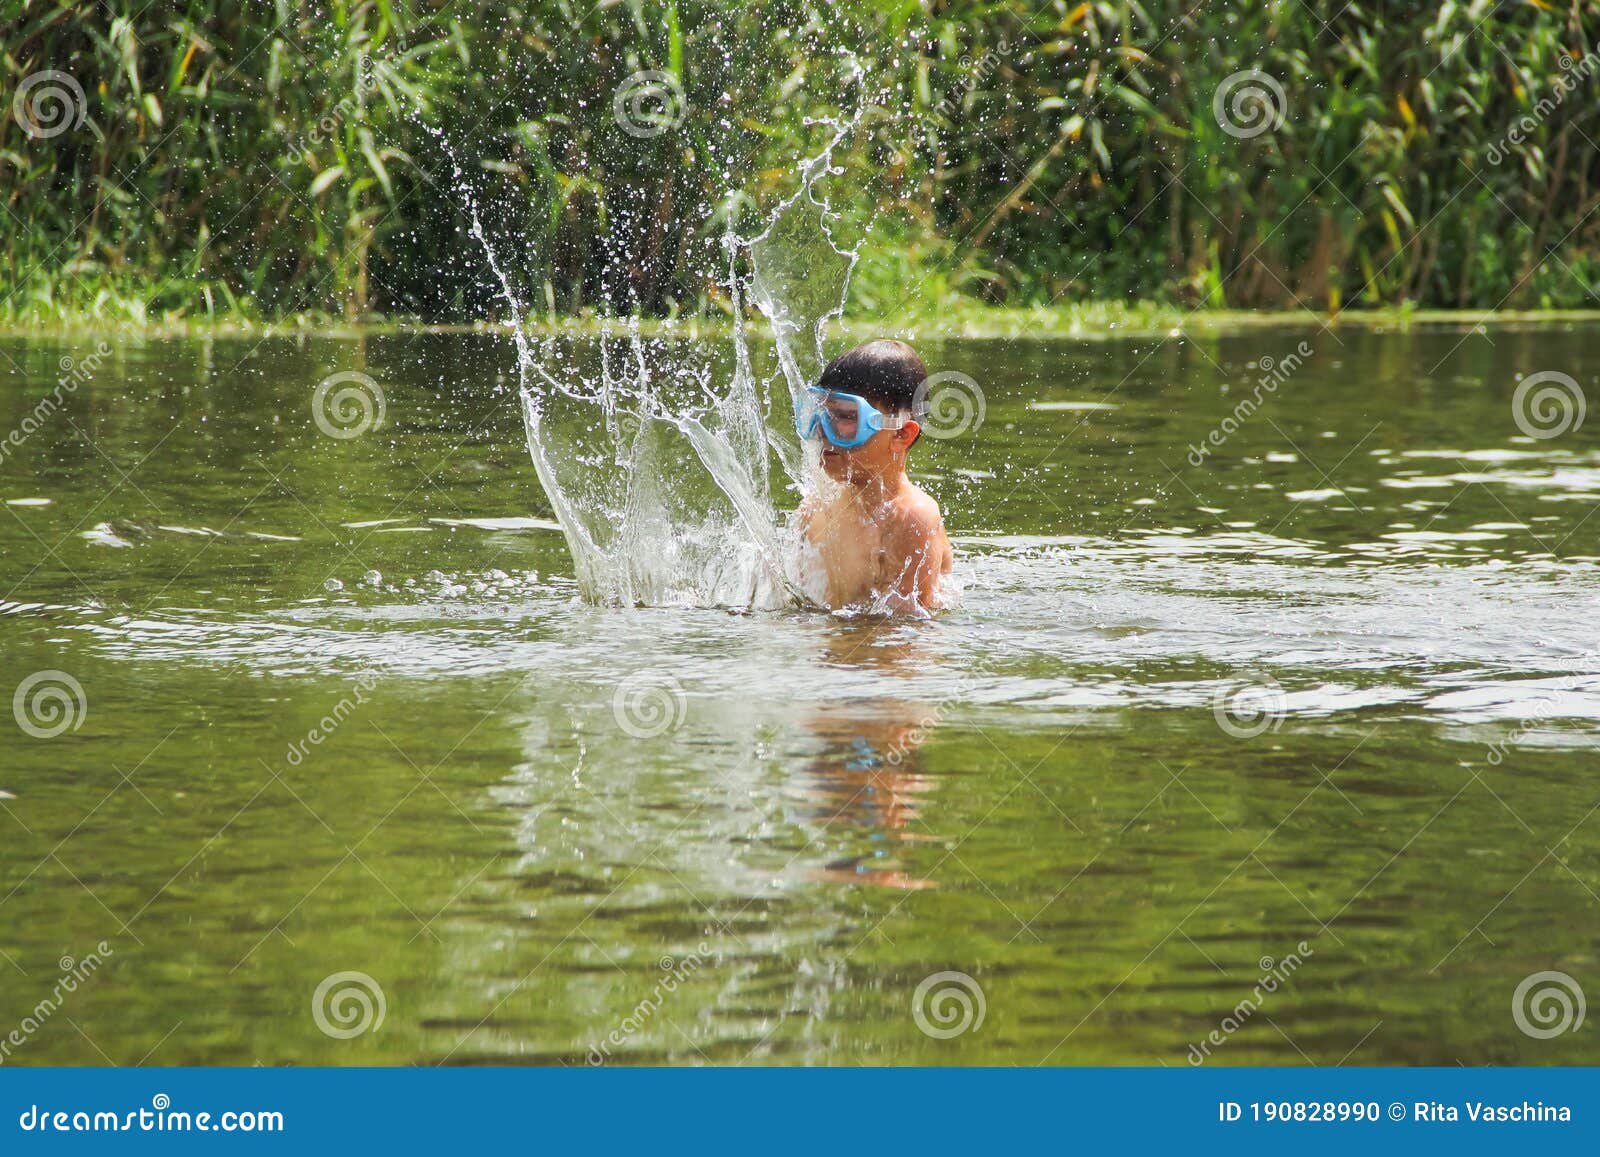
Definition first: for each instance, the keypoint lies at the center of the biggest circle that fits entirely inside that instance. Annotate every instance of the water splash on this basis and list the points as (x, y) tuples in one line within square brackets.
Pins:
[(663, 456)]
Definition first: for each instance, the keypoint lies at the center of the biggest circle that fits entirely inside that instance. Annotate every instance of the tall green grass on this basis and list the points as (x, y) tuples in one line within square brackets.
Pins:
[(274, 157)]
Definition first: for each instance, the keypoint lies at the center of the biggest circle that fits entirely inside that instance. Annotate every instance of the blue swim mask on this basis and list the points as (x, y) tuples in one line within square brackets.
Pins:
[(846, 420)]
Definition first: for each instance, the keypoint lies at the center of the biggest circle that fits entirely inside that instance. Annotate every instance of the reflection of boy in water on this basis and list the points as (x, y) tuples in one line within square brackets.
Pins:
[(870, 780), (878, 538)]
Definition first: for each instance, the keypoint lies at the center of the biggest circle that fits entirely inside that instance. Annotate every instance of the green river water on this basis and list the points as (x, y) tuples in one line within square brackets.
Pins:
[(550, 833)]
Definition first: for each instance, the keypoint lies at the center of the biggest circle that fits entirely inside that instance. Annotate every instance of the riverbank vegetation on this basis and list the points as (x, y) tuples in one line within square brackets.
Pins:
[(198, 160)]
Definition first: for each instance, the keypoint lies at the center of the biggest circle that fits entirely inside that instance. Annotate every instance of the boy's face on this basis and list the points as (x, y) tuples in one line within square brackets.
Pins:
[(879, 456)]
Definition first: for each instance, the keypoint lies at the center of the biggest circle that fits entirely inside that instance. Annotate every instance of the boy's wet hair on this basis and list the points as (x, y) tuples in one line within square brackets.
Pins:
[(886, 372)]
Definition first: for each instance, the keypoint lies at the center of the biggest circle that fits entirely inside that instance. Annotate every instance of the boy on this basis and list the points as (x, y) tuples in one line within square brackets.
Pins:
[(877, 539)]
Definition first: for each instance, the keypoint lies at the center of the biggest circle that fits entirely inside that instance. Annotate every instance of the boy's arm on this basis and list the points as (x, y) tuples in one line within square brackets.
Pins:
[(805, 515), (918, 557)]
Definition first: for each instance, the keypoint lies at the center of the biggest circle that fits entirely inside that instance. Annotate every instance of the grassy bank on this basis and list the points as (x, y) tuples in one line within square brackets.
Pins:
[(201, 160), (1088, 321)]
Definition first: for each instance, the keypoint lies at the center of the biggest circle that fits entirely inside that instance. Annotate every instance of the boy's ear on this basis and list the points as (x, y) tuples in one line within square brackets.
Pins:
[(910, 431)]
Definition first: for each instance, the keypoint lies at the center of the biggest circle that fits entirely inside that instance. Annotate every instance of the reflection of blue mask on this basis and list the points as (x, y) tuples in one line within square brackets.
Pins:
[(865, 756), (846, 420)]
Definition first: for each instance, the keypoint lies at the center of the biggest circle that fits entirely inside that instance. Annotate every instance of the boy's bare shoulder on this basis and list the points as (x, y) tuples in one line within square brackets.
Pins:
[(917, 514)]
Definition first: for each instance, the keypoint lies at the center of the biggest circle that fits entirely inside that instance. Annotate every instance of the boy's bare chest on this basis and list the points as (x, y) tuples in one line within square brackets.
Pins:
[(852, 550)]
